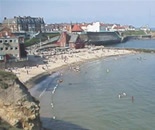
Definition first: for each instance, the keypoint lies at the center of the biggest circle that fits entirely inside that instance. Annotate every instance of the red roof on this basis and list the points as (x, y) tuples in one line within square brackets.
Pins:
[(76, 28), (117, 27), (102, 24)]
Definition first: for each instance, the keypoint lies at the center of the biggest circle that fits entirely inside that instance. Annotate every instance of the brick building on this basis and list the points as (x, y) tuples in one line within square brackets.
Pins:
[(70, 40), (76, 42), (63, 40), (28, 24), (5, 32)]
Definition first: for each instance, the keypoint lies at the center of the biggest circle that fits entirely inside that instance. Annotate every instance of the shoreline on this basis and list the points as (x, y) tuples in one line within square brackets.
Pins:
[(32, 81)]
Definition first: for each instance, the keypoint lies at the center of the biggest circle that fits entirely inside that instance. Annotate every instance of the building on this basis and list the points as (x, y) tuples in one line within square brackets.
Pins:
[(28, 24), (76, 29), (129, 28), (6, 32), (119, 28), (84, 26), (94, 27), (54, 27), (145, 28), (70, 40), (63, 40), (12, 48), (76, 42)]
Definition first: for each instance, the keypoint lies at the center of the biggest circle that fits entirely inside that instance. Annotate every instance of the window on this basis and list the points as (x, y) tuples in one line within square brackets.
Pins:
[(1, 49), (11, 48), (6, 48), (1, 41), (10, 40), (6, 40), (16, 48)]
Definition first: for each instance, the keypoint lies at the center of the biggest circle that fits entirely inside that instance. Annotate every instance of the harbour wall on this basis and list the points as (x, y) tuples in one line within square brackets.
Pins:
[(101, 38), (139, 37)]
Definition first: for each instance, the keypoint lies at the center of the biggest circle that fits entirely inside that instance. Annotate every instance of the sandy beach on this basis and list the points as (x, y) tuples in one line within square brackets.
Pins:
[(55, 62)]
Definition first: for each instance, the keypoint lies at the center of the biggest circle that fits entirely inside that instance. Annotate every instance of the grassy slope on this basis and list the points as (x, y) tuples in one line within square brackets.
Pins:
[(41, 37), (4, 77), (133, 33)]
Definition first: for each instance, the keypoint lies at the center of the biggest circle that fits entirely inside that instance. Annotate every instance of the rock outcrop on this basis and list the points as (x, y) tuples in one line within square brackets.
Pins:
[(17, 106)]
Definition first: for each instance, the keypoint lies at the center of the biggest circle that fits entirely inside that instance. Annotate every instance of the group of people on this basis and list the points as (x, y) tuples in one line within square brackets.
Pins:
[(124, 95)]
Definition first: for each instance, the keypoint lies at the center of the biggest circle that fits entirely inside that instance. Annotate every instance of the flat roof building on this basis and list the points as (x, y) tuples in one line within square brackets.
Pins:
[(12, 48)]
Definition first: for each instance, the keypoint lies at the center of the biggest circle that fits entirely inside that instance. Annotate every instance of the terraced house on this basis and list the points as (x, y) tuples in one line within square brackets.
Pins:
[(26, 24), (12, 48)]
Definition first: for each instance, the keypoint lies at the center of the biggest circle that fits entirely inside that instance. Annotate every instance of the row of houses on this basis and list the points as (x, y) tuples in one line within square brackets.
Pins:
[(88, 27), (12, 34), (12, 46), (26, 23), (37, 24), (14, 30)]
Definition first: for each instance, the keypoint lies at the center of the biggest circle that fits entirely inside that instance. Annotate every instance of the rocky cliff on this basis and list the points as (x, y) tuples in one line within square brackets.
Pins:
[(17, 106)]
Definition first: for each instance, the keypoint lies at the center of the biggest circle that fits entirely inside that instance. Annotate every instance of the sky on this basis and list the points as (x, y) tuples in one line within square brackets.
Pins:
[(126, 12)]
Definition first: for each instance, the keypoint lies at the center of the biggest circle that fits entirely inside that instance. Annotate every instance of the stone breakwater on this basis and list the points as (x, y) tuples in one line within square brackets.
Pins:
[(17, 106)]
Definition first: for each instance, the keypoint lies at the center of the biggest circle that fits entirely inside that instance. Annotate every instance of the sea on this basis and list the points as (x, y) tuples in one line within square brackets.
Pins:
[(113, 93), (138, 44)]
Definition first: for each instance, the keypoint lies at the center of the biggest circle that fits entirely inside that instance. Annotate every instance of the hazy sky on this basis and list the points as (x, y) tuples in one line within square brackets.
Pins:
[(135, 12)]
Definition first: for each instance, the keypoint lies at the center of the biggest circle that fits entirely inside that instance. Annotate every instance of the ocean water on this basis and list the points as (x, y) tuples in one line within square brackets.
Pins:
[(142, 44), (89, 99)]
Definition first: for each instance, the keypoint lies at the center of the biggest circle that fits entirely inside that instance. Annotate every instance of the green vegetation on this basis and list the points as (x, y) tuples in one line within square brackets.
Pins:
[(4, 77), (32, 42), (7, 75), (41, 37), (133, 33)]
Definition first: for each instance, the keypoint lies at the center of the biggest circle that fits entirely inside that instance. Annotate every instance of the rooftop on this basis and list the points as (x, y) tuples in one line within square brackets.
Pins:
[(73, 38), (76, 28)]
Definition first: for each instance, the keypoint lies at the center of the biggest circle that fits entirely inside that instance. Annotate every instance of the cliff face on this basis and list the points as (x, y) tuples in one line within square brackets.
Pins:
[(17, 106)]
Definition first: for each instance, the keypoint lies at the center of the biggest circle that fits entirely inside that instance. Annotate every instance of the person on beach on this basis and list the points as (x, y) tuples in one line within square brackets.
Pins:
[(27, 71)]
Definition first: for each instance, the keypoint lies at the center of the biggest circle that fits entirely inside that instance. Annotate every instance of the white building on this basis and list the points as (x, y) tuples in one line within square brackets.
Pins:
[(94, 27), (145, 28), (129, 28)]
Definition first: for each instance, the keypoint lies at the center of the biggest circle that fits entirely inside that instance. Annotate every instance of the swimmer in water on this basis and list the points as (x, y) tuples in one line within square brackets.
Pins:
[(52, 105), (108, 70), (132, 98), (119, 96), (124, 94)]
